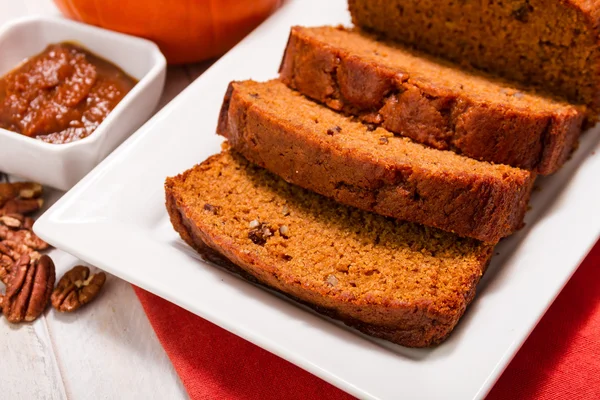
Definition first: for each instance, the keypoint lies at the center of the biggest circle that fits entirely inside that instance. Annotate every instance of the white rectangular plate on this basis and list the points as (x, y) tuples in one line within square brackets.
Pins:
[(115, 219)]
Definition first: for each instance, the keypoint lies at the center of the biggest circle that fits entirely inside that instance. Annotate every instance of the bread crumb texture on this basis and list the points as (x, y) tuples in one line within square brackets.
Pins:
[(327, 254)]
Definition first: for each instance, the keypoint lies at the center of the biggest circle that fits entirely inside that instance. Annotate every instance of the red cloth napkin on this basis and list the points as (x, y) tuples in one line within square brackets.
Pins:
[(560, 360)]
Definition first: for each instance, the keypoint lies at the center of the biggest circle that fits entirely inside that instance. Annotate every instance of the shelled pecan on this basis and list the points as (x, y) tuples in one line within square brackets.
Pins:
[(29, 276), (16, 221), (28, 289), (76, 288), (16, 234), (23, 237), (19, 190), (6, 262), (17, 199), (21, 206)]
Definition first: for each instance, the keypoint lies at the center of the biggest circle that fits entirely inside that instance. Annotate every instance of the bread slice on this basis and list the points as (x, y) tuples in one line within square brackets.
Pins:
[(552, 44), (429, 100), (312, 146), (399, 281)]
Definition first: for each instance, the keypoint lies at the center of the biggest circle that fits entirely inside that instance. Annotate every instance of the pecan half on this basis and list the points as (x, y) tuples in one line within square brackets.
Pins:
[(7, 192), (22, 237), (21, 206), (19, 241), (6, 263), (28, 289), (24, 190), (77, 288), (29, 190), (29, 239), (27, 223), (14, 221), (6, 251)]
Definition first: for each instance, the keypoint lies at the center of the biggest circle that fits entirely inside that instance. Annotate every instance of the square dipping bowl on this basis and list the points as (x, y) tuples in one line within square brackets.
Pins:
[(62, 165)]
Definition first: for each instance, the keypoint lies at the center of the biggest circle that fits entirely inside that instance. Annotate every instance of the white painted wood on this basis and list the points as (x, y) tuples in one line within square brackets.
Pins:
[(28, 369), (107, 350)]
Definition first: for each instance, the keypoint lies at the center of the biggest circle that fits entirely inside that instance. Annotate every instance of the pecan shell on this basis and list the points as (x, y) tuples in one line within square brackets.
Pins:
[(76, 288), (28, 289)]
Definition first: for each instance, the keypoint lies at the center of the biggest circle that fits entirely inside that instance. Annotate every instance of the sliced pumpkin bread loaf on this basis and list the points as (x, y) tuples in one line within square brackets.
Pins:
[(554, 44), (399, 281), (314, 147), (430, 100)]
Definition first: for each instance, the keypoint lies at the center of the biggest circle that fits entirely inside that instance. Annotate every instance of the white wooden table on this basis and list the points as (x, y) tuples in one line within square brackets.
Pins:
[(107, 350)]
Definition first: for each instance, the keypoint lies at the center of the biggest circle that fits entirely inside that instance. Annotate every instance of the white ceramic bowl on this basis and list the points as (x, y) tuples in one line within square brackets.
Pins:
[(63, 165)]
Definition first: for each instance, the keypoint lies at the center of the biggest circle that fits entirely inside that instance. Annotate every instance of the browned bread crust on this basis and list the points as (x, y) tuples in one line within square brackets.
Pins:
[(312, 146), (208, 206), (553, 44), (429, 100)]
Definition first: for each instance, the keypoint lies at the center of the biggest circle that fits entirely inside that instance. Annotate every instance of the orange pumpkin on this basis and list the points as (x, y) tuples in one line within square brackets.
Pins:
[(185, 30)]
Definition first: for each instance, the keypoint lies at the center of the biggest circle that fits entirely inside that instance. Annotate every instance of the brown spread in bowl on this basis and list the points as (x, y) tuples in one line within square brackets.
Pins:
[(62, 94)]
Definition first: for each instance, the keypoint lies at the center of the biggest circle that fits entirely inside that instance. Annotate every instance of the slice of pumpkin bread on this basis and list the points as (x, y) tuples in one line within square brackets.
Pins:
[(314, 147), (430, 100), (399, 281), (553, 44)]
